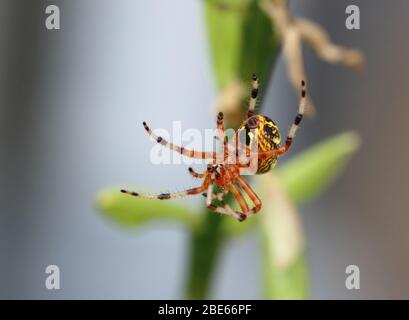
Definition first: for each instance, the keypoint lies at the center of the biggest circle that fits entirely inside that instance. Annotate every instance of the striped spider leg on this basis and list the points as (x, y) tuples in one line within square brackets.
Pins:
[(293, 129)]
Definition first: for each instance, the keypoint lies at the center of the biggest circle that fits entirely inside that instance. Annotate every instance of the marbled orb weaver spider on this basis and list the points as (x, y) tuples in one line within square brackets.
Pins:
[(259, 132)]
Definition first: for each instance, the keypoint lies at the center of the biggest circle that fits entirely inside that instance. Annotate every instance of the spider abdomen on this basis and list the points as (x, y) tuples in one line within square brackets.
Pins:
[(263, 131)]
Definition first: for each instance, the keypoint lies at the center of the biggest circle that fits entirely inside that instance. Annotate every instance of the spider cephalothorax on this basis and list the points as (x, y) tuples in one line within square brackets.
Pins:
[(257, 142)]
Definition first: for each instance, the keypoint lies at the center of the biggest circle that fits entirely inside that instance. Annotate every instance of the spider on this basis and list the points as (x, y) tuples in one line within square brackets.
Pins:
[(256, 132)]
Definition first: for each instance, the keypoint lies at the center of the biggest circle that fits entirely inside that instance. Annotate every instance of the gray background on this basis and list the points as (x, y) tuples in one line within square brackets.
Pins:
[(72, 102)]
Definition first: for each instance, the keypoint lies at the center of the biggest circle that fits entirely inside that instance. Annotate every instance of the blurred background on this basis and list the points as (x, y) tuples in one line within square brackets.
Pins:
[(72, 102)]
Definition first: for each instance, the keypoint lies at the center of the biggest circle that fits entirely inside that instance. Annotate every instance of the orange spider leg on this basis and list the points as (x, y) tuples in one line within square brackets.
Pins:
[(237, 154), (181, 150), (250, 192), (250, 113), (241, 201), (226, 209), (196, 174), (167, 196)]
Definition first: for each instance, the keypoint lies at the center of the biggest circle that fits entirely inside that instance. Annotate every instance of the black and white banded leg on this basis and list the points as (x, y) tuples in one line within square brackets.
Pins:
[(253, 96)]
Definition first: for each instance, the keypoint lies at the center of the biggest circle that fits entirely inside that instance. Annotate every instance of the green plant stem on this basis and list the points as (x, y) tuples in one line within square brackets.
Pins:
[(205, 247), (242, 42)]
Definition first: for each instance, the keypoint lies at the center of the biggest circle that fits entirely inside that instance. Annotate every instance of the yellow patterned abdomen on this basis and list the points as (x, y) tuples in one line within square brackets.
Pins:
[(263, 131)]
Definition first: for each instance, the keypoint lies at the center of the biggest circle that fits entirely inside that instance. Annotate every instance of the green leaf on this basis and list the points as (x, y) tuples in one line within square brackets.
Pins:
[(284, 266), (259, 46), (290, 283), (311, 172), (131, 211), (224, 32), (241, 38)]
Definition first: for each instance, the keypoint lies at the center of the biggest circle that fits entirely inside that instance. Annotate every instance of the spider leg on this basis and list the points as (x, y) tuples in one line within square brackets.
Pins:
[(253, 97), (167, 196), (293, 129), (252, 195), (222, 135), (196, 174), (181, 150), (218, 196), (241, 201), (298, 118), (209, 196), (227, 210), (222, 210)]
